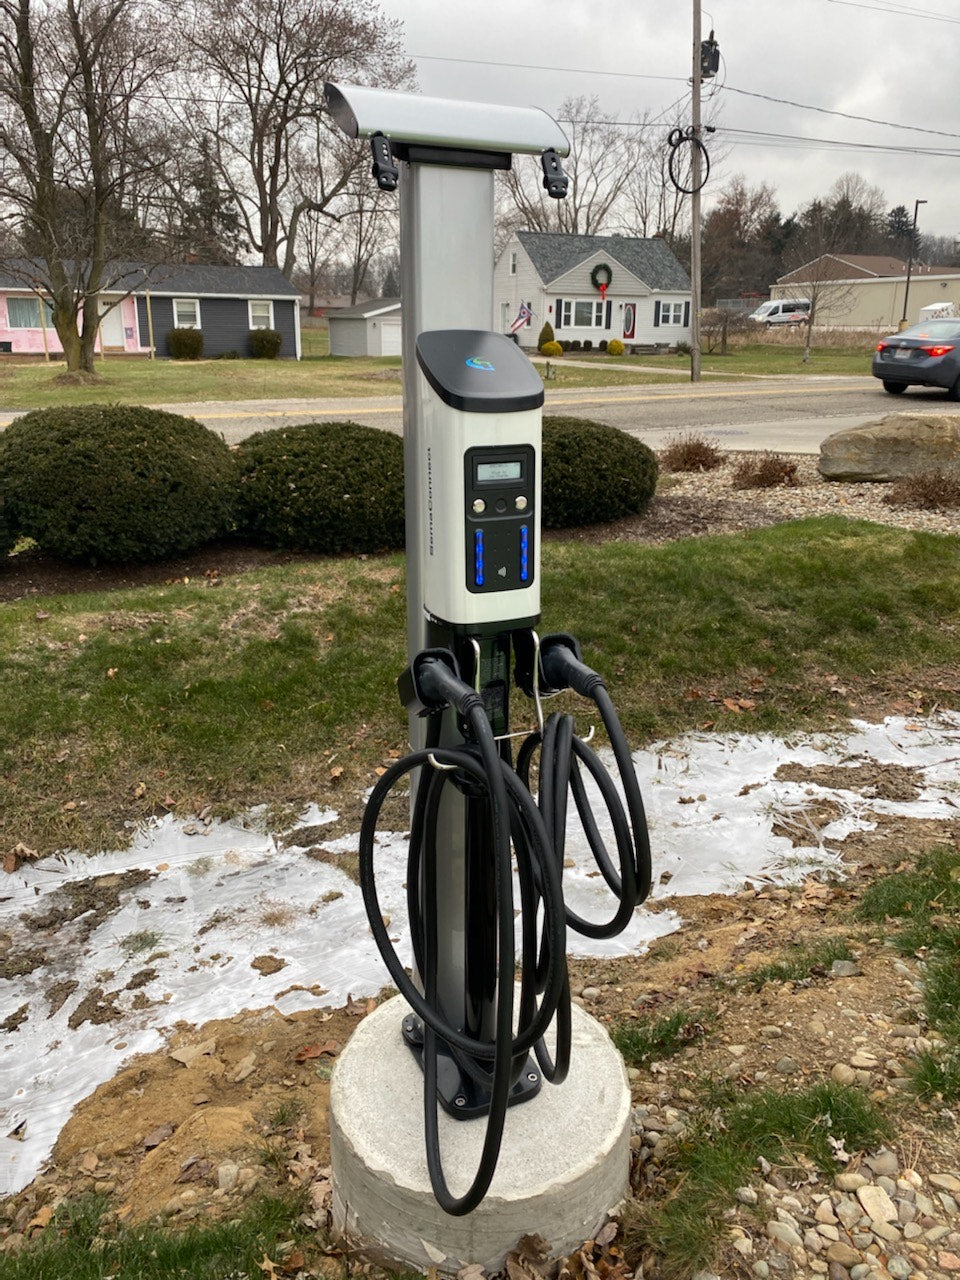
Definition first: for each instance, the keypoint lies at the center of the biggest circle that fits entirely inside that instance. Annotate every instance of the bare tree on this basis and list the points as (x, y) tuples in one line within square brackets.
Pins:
[(76, 132), (598, 168), (261, 65), (653, 205), (816, 270)]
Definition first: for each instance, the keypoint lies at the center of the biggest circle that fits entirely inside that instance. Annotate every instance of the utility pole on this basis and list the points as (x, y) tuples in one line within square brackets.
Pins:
[(904, 322), (695, 203)]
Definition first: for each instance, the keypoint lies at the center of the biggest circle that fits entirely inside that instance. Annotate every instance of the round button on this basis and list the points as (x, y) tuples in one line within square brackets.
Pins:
[(520, 503), (479, 506), (501, 504)]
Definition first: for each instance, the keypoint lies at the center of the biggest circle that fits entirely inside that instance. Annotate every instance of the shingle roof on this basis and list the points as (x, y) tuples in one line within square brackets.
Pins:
[(651, 261), (195, 278)]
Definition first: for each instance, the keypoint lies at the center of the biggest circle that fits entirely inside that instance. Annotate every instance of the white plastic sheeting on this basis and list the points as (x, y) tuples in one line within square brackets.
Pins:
[(217, 899)]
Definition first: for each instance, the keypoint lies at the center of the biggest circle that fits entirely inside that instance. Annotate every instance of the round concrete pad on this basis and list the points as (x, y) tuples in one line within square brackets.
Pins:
[(564, 1163)]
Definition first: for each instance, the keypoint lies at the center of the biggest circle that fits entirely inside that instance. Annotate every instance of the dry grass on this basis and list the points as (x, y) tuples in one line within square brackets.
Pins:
[(768, 471), (928, 491), (691, 453)]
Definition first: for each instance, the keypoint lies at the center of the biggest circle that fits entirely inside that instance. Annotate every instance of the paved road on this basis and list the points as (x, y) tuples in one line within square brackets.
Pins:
[(787, 414)]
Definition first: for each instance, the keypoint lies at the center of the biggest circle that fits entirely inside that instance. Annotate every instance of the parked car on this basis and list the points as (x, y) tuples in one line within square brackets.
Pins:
[(926, 355), (782, 311)]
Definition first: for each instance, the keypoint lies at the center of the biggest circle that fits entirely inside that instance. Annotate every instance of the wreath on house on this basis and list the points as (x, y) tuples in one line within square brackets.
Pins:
[(600, 277)]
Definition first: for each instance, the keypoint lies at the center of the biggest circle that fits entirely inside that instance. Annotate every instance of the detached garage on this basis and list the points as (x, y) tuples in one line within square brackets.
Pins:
[(368, 329)]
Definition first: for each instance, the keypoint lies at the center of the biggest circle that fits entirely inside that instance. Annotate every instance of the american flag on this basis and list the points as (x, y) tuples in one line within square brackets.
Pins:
[(524, 315)]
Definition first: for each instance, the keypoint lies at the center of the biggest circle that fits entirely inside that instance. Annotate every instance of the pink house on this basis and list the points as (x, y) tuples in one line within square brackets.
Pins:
[(145, 302)]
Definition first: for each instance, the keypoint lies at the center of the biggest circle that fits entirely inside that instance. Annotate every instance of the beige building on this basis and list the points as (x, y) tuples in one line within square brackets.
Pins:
[(866, 291)]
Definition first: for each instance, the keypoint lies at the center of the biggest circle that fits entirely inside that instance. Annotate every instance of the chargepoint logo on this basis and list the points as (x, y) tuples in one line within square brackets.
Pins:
[(474, 362)]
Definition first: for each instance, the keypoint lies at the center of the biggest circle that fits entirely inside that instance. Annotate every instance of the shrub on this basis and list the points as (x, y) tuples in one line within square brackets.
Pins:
[(116, 484), (552, 349), (322, 486), (690, 453), (185, 344), (928, 490), (7, 535), (265, 344), (575, 344), (229, 355), (682, 348), (765, 472), (602, 344), (567, 344), (615, 347), (546, 335), (588, 344), (619, 481)]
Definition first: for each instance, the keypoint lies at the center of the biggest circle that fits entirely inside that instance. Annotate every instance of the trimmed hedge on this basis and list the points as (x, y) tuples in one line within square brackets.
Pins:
[(593, 473), (185, 344), (265, 344), (115, 484), (322, 486), (551, 349)]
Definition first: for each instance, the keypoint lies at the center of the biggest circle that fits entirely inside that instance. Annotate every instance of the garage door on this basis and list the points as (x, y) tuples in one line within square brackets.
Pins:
[(390, 337)]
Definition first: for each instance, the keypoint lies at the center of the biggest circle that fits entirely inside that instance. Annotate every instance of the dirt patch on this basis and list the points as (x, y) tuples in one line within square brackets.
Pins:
[(88, 902), (875, 781)]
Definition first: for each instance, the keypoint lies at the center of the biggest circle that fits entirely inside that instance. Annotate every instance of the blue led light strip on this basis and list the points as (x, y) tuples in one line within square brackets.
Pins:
[(478, 557), (524, 553)]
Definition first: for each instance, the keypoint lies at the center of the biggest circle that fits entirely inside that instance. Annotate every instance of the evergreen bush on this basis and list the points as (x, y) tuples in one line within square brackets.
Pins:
[(265, 344), (619, 480), (615, 347), (602, 344), (575, 344), (566, 344), (546, 335), (115, 484), (322, 486), (7, 535), (588, 344), (185, 344), (552, 349)]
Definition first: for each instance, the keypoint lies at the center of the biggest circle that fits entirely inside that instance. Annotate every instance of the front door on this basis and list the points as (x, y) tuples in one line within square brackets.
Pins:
[(629, 321), (111, 327)]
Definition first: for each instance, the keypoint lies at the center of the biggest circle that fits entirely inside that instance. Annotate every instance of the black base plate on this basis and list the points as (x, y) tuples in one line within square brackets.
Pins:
[(458, 1093)]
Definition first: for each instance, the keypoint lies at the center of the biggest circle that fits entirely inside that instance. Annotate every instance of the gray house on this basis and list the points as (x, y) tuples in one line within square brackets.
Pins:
[(646, 302), (367, 329), (143, 302)]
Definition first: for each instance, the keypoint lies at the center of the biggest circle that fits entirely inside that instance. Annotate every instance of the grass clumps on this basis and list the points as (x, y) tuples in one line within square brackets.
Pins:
[(691, 453), (926, 491), (800, 963), (720, 1152), (642, 1042), (322, 486), (593, 473), (768, 471), (924, 907), (110, 484)]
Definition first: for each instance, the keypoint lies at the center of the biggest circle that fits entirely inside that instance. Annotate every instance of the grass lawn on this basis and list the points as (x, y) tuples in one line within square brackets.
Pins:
[(119, 705), (771, 358)]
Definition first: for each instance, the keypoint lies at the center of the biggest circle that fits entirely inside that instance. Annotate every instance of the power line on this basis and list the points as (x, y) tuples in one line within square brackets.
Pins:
[(903, 11), (530, 66), (844, 115), (802, 143)]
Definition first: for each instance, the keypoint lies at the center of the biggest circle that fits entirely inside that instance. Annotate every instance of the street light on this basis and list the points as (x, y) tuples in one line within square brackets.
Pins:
[(913, 240)]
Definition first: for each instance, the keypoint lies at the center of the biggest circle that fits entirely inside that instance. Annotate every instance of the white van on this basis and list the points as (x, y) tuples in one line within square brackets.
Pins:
[(782, 311)]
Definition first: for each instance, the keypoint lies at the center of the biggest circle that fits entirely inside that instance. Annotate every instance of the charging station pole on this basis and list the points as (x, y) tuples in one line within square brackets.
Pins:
[(472, 405)]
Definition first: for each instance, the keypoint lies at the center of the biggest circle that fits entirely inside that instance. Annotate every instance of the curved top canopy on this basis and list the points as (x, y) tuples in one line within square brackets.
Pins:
[(443, 122)]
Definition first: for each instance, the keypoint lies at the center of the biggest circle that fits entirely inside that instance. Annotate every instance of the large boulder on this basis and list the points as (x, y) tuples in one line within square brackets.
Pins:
[(902, 444)]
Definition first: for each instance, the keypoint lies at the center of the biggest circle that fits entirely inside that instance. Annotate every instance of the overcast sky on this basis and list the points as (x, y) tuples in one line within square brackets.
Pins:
[(891, 60)]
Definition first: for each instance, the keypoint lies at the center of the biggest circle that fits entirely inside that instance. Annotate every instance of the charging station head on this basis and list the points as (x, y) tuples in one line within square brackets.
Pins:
[(411, 118)]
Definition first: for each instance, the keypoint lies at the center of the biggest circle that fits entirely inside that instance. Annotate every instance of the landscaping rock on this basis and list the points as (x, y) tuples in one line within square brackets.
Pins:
[(901, 444)]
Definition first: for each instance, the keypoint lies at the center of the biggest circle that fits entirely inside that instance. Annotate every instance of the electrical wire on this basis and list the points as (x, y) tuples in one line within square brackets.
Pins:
[(686, 137)]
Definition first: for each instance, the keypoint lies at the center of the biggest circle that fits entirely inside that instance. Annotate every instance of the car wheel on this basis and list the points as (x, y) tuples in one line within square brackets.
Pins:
[(895, 388), (954, 392)]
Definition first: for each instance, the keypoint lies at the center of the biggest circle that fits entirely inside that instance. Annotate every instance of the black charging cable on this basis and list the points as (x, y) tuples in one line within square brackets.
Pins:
[(537, 831)]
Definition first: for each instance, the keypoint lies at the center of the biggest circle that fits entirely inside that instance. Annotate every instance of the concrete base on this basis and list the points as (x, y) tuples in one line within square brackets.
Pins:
[(564, 1163)]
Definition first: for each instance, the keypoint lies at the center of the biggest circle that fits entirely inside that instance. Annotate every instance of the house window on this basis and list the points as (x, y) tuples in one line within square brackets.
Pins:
[(186, 313), (261, 313), (513, 264), (671, 313), (582, 314), (23, 313)]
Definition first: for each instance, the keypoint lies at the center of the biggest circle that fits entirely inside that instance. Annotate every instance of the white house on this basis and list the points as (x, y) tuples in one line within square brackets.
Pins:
[(558, 277)]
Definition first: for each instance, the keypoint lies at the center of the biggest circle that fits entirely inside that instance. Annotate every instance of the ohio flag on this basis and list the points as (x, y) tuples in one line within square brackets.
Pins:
[(524, 316)]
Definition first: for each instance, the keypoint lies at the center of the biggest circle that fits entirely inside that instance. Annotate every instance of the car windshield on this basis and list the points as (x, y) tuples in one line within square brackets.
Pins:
[(948, 330)]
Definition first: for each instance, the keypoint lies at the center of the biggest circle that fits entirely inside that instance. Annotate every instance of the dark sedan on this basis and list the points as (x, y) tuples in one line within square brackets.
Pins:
[(926, 355)]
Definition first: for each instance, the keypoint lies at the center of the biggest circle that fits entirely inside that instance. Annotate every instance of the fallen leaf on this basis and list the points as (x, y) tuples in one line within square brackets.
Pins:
[(111, 672), (139, 790), (732, 705), (70, 805), (331, 1048), (336, 772), (293, 1263), (42, 1218), (267, 1267), (41, 616)]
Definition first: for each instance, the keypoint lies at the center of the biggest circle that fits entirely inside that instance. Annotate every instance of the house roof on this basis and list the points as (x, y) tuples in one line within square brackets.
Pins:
[(651, 261), (194, 278), (866, 266), (364, 310)]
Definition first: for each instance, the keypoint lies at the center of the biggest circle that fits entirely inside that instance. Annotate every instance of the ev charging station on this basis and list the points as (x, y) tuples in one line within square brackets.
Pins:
[(428, 1168)]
